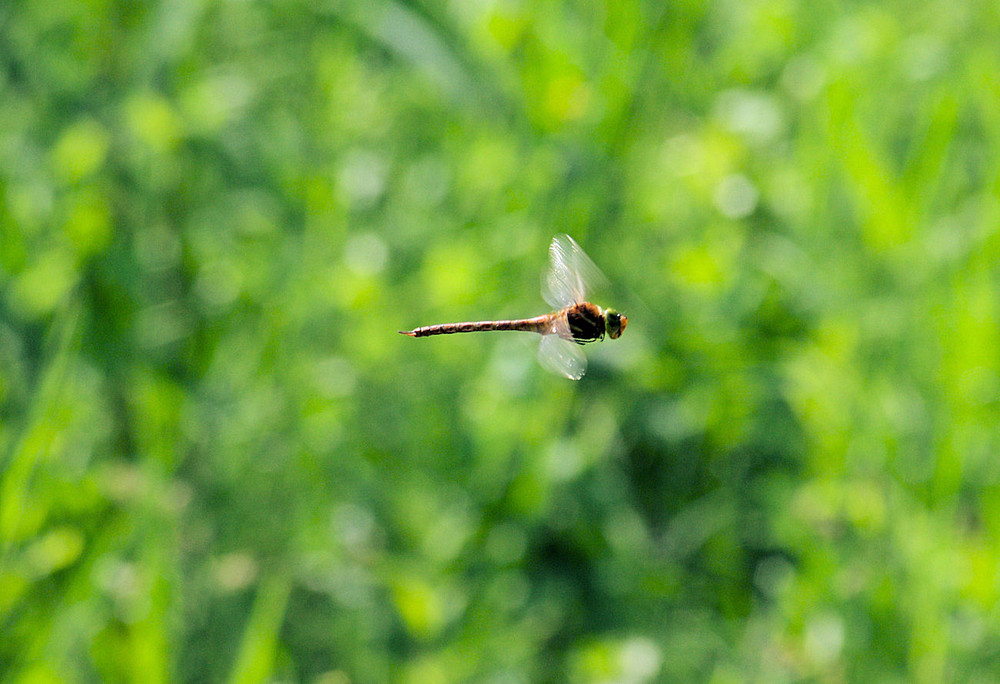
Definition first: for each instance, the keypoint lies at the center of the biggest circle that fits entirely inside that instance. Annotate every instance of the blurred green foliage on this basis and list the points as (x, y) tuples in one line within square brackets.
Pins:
[(219, 462)]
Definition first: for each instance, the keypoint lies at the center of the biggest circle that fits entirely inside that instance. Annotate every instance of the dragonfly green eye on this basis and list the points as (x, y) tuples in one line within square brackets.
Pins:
[(615, 323)]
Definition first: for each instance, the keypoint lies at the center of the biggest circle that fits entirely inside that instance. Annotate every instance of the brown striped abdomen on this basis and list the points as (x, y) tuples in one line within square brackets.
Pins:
[(537, 325)]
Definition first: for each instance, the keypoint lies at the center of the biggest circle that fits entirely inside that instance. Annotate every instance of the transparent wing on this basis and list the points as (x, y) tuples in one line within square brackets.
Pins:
[(562, 357), (571, 273)]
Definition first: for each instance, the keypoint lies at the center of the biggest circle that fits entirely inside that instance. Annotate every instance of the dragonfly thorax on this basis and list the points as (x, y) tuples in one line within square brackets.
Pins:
[(586, 322)]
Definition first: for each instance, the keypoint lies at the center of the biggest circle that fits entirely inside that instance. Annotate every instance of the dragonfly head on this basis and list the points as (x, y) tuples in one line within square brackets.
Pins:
[(614, 323)]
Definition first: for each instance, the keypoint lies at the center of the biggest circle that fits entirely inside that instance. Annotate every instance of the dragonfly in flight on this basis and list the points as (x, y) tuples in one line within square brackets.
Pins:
[(574, 323)]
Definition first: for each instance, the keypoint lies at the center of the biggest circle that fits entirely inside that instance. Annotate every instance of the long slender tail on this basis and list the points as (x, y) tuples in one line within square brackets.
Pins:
[(538, 324)]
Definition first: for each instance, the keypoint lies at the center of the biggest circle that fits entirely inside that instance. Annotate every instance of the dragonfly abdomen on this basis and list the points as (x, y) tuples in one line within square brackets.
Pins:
[(537, 324)]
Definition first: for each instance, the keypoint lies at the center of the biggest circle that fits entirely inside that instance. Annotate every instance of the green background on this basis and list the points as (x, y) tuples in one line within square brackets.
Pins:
[(219, 462)]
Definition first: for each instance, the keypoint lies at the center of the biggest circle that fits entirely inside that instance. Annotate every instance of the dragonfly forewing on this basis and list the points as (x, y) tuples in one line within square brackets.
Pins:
[(571, 273)]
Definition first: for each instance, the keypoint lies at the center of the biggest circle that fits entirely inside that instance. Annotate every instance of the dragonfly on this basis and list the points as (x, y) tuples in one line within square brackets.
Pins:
[(575, 321)]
